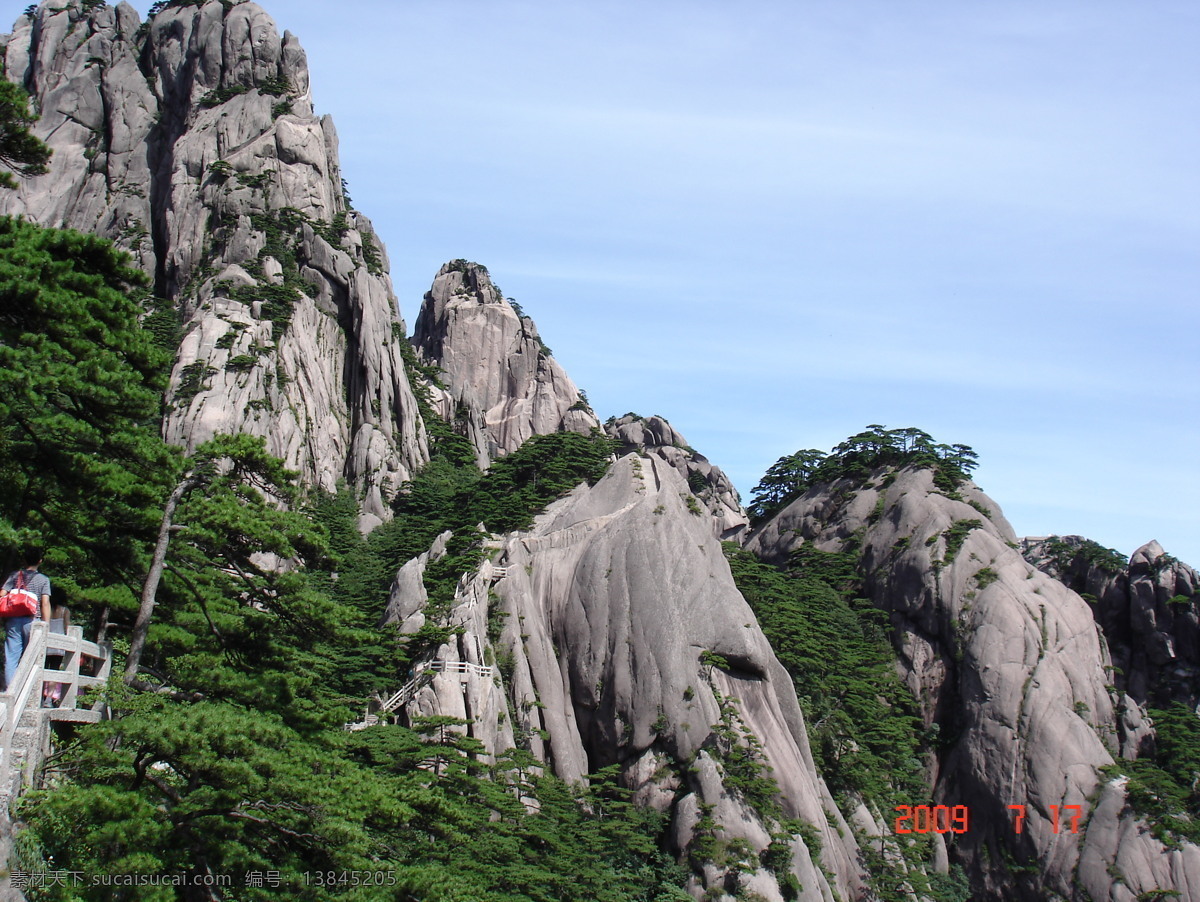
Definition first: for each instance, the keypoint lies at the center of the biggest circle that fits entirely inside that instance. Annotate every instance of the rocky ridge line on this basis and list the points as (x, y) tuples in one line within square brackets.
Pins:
[(708, 483)]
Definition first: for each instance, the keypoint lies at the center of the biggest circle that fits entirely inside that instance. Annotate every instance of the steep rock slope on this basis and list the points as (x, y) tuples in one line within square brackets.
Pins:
[(191, 142), (654, 435), (1010, 664), (1148, 608), (497, 377), (599, 619)]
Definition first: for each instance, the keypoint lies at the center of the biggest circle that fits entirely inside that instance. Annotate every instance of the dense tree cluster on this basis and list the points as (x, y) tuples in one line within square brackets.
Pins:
[(81, 464), (1164, 786), (855, 458), (862, 721)]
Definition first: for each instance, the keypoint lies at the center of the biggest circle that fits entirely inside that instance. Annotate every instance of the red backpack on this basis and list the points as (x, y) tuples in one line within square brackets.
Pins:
[(18, 601)]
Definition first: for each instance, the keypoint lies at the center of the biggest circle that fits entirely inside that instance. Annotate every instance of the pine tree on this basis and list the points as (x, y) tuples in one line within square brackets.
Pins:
[(20, 150), (82, 467)]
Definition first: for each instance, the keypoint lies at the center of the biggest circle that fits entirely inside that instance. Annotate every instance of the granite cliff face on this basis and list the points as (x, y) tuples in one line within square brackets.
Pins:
[(191, 142), (582, 639), (711, 486), (599, 618), (589, 638), (1013, 668), (498, 379), (1149, 610)]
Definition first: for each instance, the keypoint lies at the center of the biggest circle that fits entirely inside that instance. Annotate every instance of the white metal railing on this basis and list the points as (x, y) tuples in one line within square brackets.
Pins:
[(406, 692), (478, 670), (368, 721), (401, 697), (25, 693)]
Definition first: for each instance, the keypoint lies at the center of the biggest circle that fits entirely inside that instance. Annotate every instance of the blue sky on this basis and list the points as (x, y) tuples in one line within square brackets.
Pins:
[(777, 222)]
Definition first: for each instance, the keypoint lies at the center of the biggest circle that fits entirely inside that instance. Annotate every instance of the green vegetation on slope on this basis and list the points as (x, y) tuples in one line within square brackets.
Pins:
[(450, 494), (214, 788), (790, 476), (82, 468), (862, 724), (866, 738), (1069, 557), (1165, 787)]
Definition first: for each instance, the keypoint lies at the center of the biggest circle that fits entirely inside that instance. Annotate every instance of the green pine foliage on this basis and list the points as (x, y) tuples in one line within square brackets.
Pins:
[(956, 537), (1078, 557), (866, 736), (20, 150), (214, 788), (787, 479), (451, 494), (856, 458), (863, 727), (225, 754), (1165, 787), (81, 465), (229, 625)]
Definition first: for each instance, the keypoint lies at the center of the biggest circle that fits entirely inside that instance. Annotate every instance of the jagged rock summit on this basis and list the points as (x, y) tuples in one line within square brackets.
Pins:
[(497, 375), (190, 141)]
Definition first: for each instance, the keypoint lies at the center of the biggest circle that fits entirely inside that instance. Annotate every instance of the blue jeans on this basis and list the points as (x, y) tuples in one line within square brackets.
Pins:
[(16, 637)]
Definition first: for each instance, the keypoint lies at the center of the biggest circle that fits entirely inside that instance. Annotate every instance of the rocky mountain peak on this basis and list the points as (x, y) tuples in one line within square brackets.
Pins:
[(1148, 608), (654, 435), (190, 141), (497, 373)]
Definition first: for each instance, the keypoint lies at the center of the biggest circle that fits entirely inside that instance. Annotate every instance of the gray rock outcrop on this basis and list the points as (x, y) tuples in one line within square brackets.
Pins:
[(497, 377), (1012, 666), (1148, 608), (599, 627), (590, 638), (709, 484), (191, 142)]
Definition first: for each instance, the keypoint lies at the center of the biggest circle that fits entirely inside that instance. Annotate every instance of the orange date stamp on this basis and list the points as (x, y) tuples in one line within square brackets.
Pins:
[(957, 818)]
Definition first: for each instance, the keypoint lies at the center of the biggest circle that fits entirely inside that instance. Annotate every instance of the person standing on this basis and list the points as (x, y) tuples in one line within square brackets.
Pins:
[(16, 629)]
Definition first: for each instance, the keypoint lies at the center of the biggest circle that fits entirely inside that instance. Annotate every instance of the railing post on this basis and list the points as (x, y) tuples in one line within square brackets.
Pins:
[(16, 696), (70, 671)]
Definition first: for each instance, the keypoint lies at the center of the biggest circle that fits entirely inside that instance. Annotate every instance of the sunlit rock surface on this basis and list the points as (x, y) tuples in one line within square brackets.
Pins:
[(1013, 668), (191, 142)]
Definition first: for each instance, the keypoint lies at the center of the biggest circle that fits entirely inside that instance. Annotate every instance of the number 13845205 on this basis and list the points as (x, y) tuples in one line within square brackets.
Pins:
[(957, 818)]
